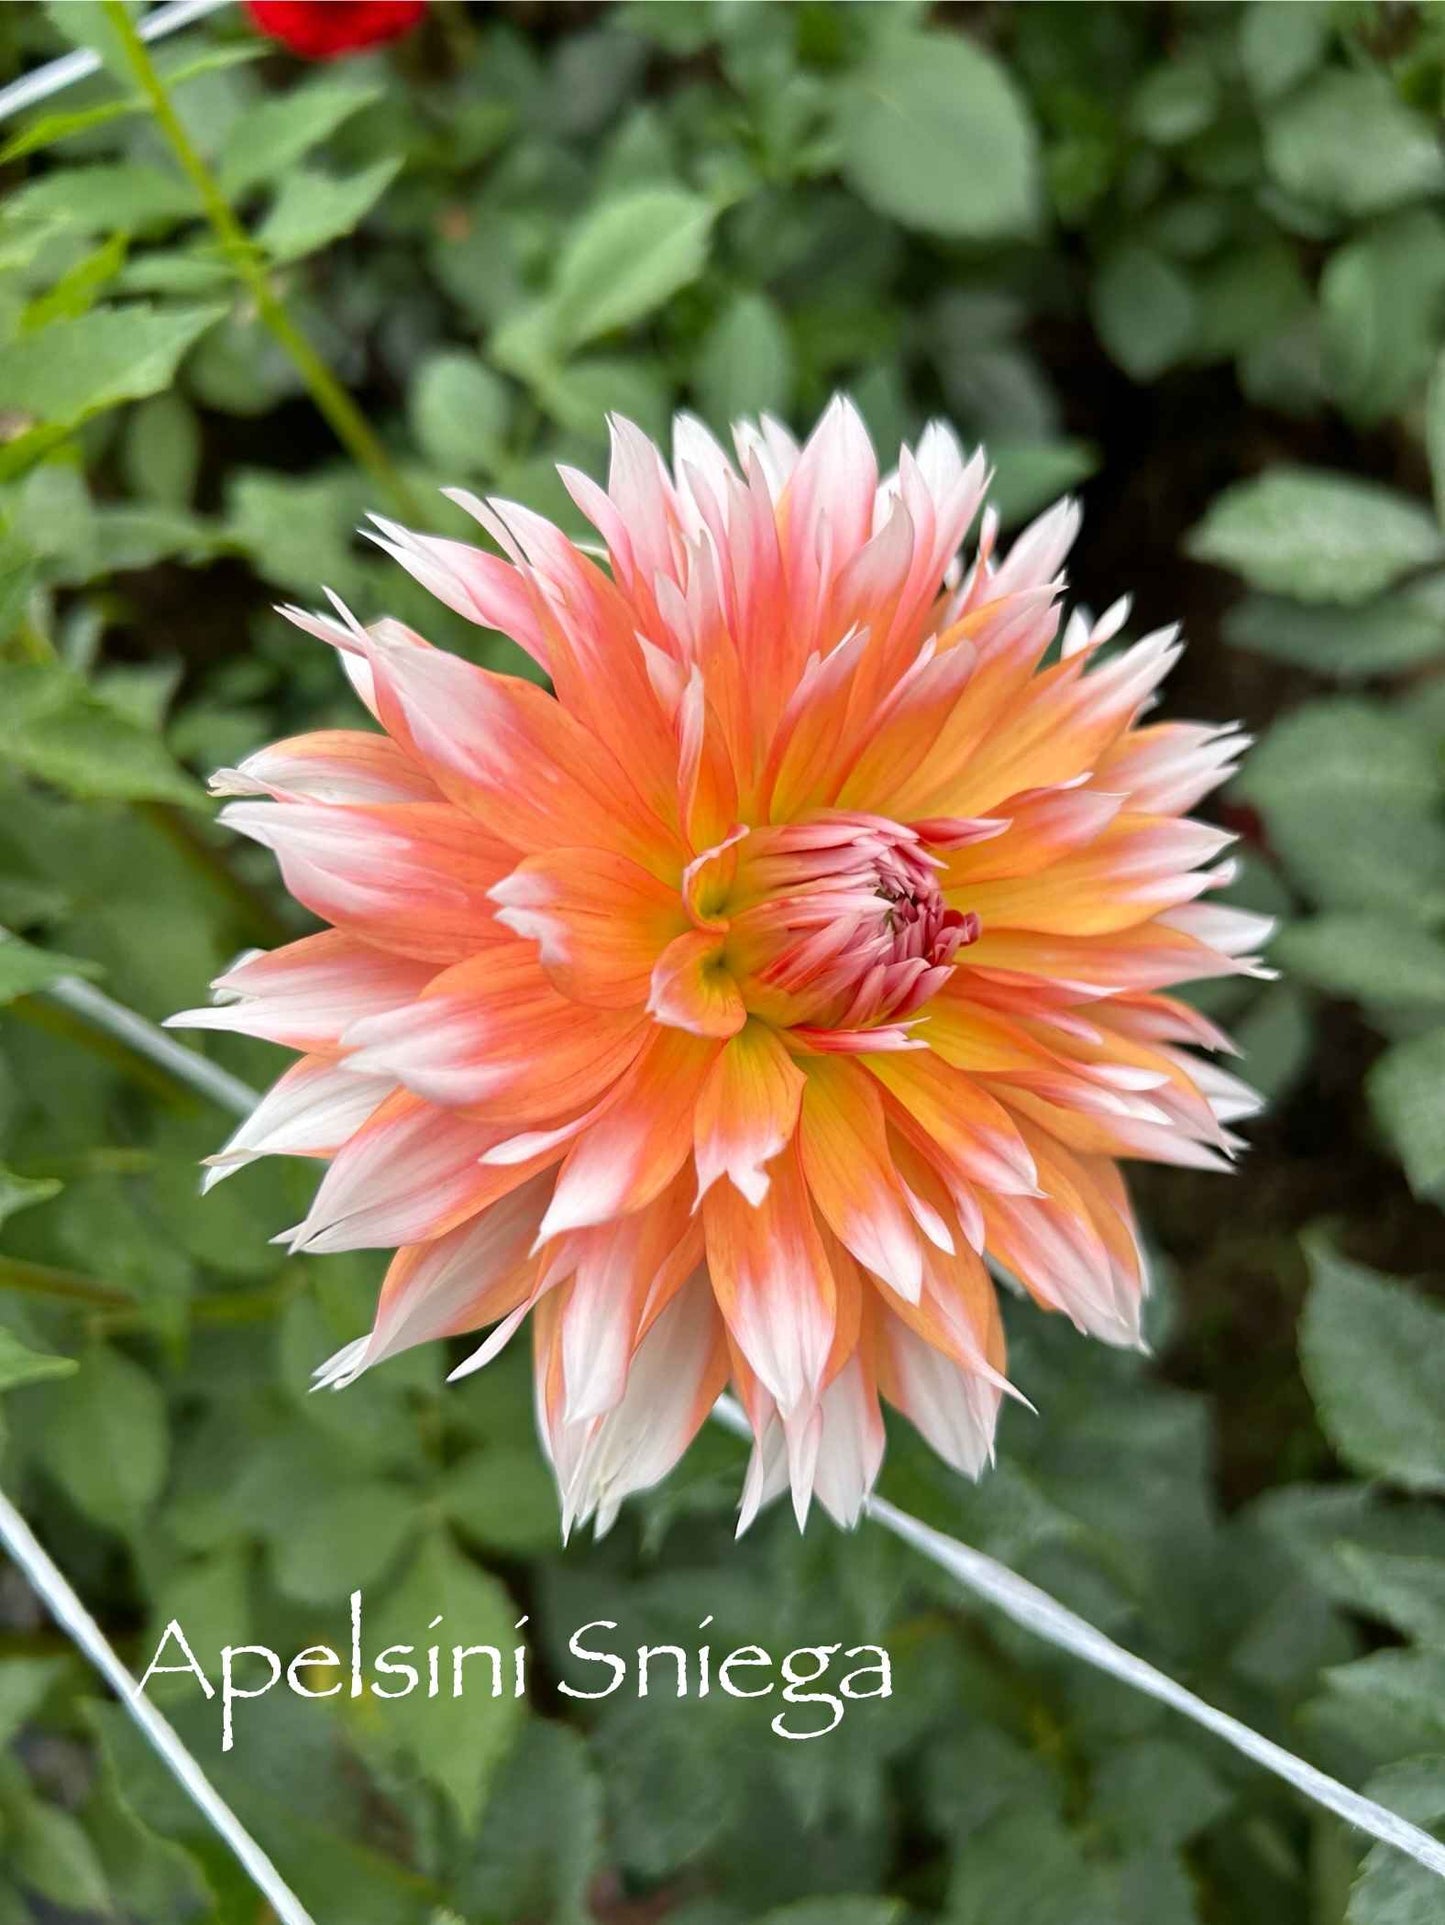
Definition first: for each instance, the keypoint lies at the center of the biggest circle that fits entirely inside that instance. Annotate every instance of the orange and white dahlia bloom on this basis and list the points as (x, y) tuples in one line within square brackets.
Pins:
[(733, 1009)]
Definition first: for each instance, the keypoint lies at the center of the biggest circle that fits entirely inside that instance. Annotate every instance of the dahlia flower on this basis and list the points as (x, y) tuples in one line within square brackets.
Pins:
[(734, 1010)]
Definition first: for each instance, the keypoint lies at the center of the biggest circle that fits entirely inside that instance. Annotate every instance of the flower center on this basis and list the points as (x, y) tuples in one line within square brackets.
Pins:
[(838, 922)]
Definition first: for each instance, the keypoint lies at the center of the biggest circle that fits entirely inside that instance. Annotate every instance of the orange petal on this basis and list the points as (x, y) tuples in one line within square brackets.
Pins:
[(641, 1140), (773, 1282), (693, 989), (844, 1144), (747, 1111), (599, 921), (492, 1036)]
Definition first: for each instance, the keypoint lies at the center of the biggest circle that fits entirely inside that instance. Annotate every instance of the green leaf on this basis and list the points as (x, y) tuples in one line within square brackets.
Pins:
[(312, 209), (933, 134), (50, 128), (1279, 45), (21, 1366), (460, 412), (1368, 958), (51, 1856), (1144, 309), (1348, 143), (77, 290), (1175, 102), (1407, 1094), (1392, 1889), (539, 1843), (625, 259), (1319, 536), (24, 968), (54, 727), (504, 1497), (163, 450), (1382, 298), (78, 367), (344, 1539), (1406, 1592), (1399, 631), (104, 1437), (107, 197), (455, 1742), (23, 1685), (273, 136), (1350, 794), (745, 363), (1373, 1354), (23, 1192)]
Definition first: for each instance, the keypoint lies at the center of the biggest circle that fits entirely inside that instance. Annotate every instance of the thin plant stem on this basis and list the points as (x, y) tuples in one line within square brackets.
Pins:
[(346, 420), (1024, 1603)]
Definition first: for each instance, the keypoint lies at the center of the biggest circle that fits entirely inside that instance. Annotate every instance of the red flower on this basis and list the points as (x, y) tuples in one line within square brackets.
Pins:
[(327, 29)]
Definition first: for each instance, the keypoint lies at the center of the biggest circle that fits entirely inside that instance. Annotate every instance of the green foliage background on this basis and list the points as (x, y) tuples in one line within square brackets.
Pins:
[(1190, 258)]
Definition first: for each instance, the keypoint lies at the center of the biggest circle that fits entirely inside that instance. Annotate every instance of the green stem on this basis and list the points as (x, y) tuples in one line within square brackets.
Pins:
[(66, 1286), (346, 420)]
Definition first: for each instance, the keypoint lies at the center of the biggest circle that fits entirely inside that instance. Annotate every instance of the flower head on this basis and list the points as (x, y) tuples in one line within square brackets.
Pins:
[(729, 1011), (328, 29)]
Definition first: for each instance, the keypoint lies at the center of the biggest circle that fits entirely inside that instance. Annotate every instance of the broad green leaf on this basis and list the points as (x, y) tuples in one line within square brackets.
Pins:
[(76, 368), (460, 411), (1348, 143), (1144, 309), (539, 1843), (78, 289), (1350, 795), (107, 197), (298, 530), (51, 1856), (504, 1497), (53, 726), (343, 1541), (1176, 101), (312, 209), (745, 363), (50, 128), (163, 450), (24, 968), (1368, 958), (933, 134), (1407, 1094), (1406, 1592), (626, 258), (580, 395), (23, 1192), (1382, 299), (1399, 631), (23, 1685), (1373, 1354), (1319, 536), (19, 1365), (456, 1742), (283, 128), (1027, 476), (1280, 44), (1392, 1889), (104, 1437)]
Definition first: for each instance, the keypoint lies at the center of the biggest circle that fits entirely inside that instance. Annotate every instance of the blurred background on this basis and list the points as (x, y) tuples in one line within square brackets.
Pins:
[(1186, 260)]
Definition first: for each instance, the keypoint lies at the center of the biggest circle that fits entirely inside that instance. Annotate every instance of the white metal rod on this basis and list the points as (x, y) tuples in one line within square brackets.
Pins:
[(71, 1615), (53, 78)]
